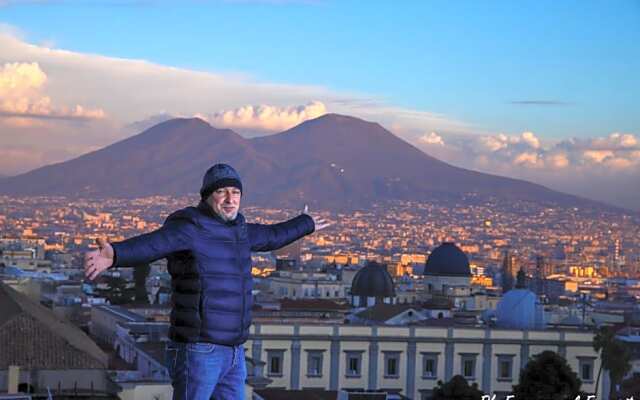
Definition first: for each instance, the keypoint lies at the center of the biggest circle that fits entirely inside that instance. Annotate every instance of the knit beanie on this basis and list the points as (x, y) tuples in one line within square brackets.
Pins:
[(219, 176)]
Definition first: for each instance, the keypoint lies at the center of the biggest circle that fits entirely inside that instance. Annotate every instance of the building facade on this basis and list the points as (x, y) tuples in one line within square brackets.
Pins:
[(410, 360)]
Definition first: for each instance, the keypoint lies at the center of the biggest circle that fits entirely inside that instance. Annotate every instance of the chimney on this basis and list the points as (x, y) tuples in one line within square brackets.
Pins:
[(13, 380)]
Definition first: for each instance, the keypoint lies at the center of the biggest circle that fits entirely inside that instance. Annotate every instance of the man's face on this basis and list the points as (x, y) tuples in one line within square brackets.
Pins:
[(226, 202)]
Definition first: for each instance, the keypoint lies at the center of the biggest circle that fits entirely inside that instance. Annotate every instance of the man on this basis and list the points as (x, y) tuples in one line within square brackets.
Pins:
[(208, 249)]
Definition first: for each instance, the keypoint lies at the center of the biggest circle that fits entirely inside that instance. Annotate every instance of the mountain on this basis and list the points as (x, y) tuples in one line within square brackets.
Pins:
[(168, 158), (333, 161), (356, 162)]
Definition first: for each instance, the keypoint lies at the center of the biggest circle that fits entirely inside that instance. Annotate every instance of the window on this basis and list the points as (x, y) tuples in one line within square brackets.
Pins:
[(429, 365), (469, 368), (275, 361), (586, 369), (586, 372), (468, 365), (391, 364), (354, 364), (314, 363), (505, 367)]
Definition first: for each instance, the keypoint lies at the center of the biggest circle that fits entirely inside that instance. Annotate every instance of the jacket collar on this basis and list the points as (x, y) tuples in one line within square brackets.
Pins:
[(205, 208)]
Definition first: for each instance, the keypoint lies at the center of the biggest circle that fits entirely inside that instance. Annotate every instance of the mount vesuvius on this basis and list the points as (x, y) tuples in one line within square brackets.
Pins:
[(333, 162)]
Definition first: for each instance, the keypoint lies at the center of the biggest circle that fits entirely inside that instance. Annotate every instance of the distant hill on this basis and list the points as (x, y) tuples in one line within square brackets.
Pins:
[(333, 161)]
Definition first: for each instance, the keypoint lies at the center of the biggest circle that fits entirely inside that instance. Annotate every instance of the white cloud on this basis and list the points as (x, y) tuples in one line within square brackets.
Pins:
[(558, 160), (528, 159), (22, 96), (597, 156), (619, 163), (494, 143), (432, 138), (531, 139), (576, 165), (500, 152), (625, 140), (615, 140), (267, 117)]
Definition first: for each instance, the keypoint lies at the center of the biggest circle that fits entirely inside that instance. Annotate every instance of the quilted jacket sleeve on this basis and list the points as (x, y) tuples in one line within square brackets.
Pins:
[(272, 237), (175, 235)]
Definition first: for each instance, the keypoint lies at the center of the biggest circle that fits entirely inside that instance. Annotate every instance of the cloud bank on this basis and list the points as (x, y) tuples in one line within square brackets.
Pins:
[(266, 117), (605, 168), (22, 96)]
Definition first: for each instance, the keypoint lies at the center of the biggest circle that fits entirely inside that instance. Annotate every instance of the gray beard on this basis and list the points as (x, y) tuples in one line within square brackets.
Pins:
[(227, 219)]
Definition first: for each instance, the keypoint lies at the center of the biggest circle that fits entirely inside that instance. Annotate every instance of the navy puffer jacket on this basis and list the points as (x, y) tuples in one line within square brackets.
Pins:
[(210, 264)]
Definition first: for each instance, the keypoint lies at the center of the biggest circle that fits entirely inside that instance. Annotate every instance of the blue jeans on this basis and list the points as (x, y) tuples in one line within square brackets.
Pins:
[(204, 371)]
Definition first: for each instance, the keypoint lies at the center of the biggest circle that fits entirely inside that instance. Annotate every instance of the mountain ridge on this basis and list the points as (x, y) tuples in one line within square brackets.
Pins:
[(333, 161)]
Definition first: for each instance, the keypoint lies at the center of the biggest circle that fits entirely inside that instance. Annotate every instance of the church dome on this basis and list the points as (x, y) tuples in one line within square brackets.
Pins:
[(373, 280), (519, 309), (447, 260)]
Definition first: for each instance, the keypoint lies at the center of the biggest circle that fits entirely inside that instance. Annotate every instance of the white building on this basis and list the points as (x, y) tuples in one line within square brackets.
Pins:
[(410, 360)]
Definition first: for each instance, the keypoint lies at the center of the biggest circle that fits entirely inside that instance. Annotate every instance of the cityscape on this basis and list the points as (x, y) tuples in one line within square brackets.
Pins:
[(319, 200), (578, 267)]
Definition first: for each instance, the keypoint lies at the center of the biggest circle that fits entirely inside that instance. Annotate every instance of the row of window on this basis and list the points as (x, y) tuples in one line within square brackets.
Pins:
[(308, 292), (353, 362)]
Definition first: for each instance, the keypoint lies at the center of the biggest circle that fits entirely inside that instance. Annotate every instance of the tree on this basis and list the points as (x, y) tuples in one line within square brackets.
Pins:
[(614, 357), (457, 389), (547, 376), (630, 387)]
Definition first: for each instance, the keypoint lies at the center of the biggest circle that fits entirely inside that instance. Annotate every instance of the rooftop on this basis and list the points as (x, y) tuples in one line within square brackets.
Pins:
[(32, 336)]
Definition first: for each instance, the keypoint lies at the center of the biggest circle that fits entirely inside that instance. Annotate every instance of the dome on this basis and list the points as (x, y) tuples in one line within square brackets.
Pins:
[(447, 260), (373, 280), (519, 309)]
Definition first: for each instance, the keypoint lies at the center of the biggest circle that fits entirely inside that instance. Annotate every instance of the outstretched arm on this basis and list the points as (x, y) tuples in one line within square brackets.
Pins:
[(173, 236), (273, 237)]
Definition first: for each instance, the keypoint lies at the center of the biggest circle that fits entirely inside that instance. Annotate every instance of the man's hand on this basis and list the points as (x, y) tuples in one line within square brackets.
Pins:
[(99, 260), (319, 222)]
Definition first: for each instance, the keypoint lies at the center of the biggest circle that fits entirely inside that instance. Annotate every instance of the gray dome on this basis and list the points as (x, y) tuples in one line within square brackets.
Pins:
[(447, 260), (373, 280)]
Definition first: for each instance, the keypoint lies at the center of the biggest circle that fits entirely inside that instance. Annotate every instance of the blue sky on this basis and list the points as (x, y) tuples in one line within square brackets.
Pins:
[(468, 60)]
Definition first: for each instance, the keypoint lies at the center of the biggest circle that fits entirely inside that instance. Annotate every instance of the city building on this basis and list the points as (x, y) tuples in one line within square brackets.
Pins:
[(46, 353), (410, 360), (305, 285), (508, 271)]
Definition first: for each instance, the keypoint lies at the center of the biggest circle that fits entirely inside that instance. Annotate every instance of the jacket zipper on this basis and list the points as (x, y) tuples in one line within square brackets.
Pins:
[(241, 280)]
